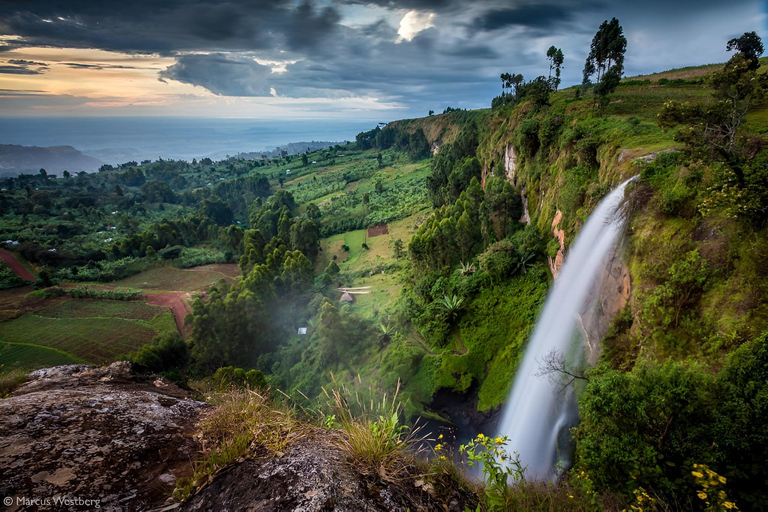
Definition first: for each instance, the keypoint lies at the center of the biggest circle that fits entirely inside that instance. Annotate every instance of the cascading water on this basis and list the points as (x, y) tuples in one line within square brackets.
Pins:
[(537, 417)]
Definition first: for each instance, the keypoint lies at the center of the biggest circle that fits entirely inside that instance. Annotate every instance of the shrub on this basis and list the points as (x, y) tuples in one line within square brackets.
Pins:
[(230, 377), (86, 292), (167, 352)]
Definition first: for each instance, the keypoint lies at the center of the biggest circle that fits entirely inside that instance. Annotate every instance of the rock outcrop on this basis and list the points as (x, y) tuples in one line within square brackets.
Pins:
[(313, 476), (80, 437), (114, 435)]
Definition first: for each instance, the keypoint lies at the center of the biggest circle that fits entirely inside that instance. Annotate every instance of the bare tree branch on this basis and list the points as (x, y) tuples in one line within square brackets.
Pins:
[(561, 374)]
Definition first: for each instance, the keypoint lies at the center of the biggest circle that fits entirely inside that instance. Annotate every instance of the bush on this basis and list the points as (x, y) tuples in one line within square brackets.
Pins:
[(85, 292), (230, 377), (646, 428), (166, 353)]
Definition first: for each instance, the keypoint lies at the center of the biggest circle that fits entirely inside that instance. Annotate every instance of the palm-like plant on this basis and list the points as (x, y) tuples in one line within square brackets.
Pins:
[(451, 305), (386, 331), (467, 268)]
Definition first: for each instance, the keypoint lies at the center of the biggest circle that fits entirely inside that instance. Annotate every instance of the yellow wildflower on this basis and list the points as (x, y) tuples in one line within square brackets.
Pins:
[(697, 474), (730, 505), (702, 495), (722, 479)]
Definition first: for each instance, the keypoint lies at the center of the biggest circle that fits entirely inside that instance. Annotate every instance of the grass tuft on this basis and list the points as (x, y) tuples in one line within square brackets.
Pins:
[(242, 423), (11, 380), (375, 439)]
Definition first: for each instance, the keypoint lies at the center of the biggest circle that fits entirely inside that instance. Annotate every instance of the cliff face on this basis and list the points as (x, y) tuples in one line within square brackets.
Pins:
[(109, 434)]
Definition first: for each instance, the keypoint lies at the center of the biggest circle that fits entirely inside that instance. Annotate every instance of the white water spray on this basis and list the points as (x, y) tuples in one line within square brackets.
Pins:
[(536, 416)]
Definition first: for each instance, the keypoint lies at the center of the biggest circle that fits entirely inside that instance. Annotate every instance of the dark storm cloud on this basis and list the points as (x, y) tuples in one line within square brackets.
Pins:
[(535, 16), (19, 70), (79, 65), (221, 75), (472, 52), (22, 62), (169, 26)]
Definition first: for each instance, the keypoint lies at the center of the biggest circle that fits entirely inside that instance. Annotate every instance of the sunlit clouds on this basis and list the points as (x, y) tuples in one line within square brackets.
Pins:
[(414, 22)]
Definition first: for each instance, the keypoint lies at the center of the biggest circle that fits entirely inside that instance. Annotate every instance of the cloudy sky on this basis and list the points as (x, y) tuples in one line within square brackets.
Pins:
[(351, 59)]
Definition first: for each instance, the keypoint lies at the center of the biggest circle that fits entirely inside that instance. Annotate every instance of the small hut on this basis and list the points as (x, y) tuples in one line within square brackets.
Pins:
[(347, 297)]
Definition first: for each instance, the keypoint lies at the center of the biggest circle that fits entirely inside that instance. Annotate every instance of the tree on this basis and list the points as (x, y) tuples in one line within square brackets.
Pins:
[(304, 159), (399, 249), (751, 46), (556, 58), (66, 174), (379, 161), (431, 112), (738, 90), (606, 60)]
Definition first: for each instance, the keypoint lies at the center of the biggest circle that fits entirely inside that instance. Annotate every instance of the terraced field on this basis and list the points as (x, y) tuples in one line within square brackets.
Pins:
[(95, 340), (102, 308)]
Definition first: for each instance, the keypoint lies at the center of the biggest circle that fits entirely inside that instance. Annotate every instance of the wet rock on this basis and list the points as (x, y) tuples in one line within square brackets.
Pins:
[(109, 434)]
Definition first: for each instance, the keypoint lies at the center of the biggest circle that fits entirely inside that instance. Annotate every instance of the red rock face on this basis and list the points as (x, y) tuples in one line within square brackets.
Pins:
[(556, 263)]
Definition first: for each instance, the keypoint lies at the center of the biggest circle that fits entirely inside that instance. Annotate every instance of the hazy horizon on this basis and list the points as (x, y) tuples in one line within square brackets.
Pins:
[(117, 140)]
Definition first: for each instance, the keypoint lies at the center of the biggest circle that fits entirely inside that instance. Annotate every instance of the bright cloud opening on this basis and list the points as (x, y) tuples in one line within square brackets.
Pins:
[(414, 22)]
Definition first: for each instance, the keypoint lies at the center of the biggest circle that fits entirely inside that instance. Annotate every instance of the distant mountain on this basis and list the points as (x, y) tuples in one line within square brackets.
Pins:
[(15, 160)]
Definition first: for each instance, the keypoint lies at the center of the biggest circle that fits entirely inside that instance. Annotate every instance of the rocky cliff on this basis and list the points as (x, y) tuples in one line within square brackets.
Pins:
[(81, 437)]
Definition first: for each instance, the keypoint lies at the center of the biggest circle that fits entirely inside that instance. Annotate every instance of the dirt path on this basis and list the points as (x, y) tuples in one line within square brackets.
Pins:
[(463, 349), (417, 338), (175, 302), (16, 265)]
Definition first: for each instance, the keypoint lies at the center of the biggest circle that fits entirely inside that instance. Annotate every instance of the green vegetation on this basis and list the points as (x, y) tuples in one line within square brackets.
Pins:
[(101, 308), (27, 356), (8, 278), (96, 340)]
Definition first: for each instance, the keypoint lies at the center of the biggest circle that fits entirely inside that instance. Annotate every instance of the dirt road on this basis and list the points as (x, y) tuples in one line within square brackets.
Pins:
[(16, 266), (174, 301)]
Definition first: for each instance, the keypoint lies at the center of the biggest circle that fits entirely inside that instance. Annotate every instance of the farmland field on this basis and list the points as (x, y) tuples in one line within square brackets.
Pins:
[(167, 278), (95, 340), (102, 308), (29, 357)]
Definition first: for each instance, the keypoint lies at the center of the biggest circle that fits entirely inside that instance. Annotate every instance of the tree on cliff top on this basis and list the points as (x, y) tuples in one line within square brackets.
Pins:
[(606, 60)]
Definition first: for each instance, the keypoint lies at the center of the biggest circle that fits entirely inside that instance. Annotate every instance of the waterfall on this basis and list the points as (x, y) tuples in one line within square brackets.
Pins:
[(537, 417)]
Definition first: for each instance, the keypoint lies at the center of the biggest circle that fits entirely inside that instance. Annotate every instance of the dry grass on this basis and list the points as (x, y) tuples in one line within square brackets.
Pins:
[(242, 424), (11, 380)]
